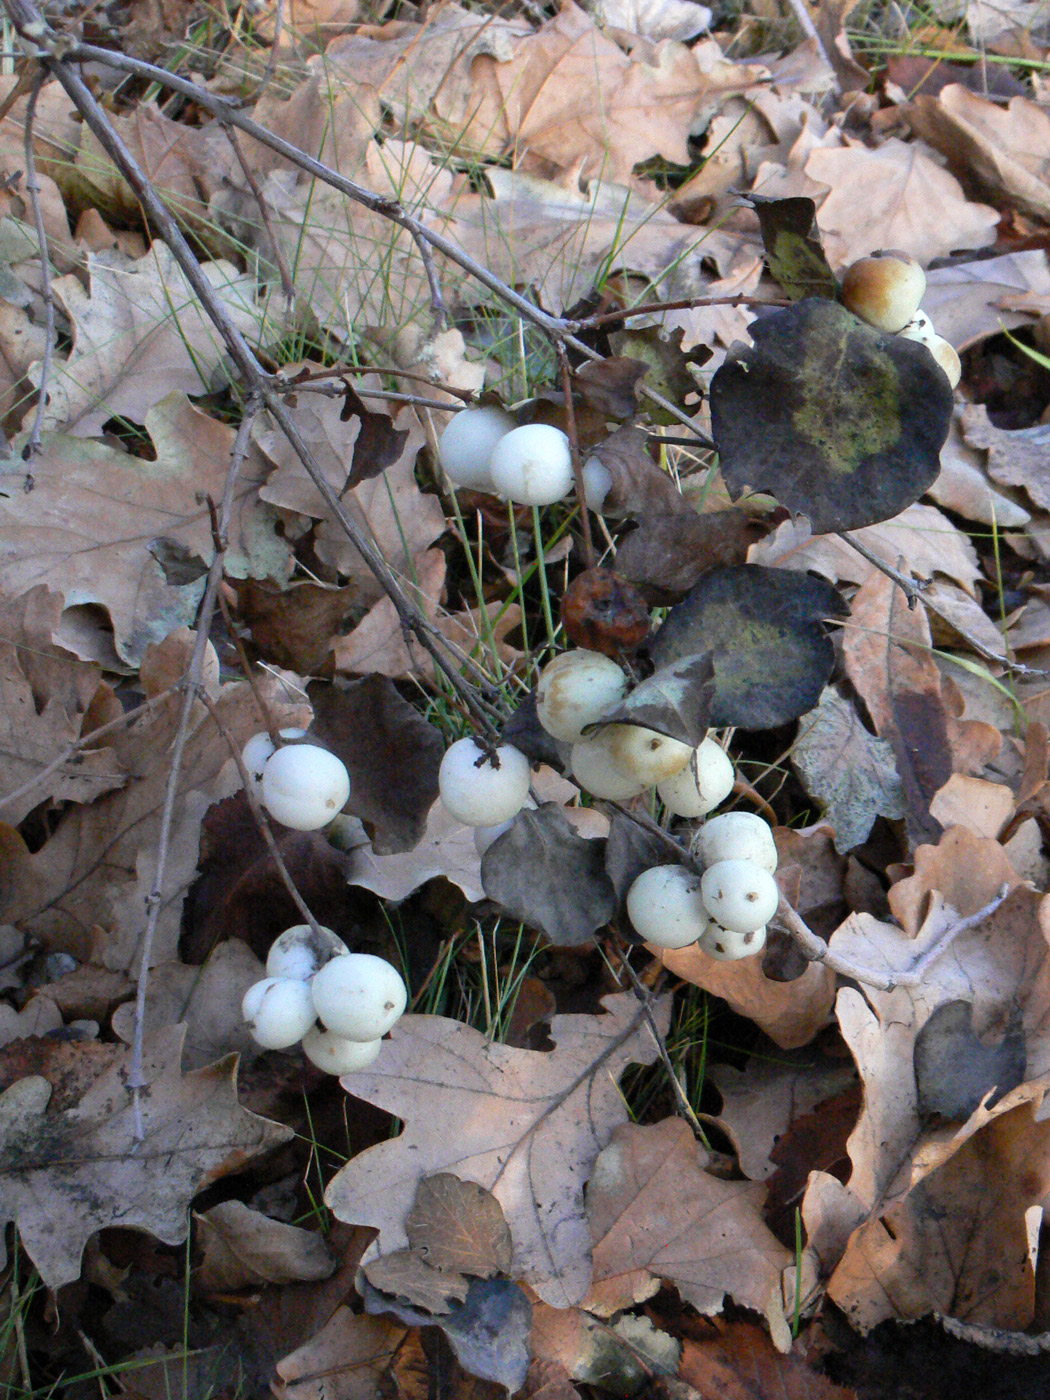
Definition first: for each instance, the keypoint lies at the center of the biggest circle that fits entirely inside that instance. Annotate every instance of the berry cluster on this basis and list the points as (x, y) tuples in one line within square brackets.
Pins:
[(301, 785), (339, 1004), (726, 909), (884, 290), (484, 449)]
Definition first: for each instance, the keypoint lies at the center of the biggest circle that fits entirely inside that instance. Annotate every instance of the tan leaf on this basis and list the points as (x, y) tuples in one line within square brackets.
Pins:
[(983, 808), (790, 1013), (206, 999), (98, 866), (379, 643), (587, 1348), (969, 301), (140, 334), (1006, 148), (740, 1363), (657, 1215), (959, 1243), (447, 849), (69, 1173), (244, 1248), (458, 1225), (405, 1275), (102, 526), (1014, 458), (45, 693), (346, 1360), (921, 535), (529, 1126), (894, 196), (390, 509), (22, 342)]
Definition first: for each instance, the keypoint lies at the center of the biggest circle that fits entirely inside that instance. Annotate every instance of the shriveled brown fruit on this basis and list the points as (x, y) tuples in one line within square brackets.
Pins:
[(603, 612)]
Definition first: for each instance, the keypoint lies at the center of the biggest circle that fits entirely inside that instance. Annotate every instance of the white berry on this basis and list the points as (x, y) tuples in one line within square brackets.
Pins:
[(594, 769), (359, 997), (946, 355), (665, 907), (646, 754), (575, 689), (259, 749), (278, 1011), (739, 895), (705, 781), (919, 328), (337, 1055), (532, 465), (737, 836), (466, 445), (299, 952), (597, 483), (480, 789), (304, 786), (727, 945), (884, 289)]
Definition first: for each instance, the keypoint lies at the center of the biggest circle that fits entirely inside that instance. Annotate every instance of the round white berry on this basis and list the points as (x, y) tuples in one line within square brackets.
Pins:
[(337, 1055), (646, 754), (919, 328), (278, 1011), (466, 445), (597, 483), (575, 689), (304, 786), (739, 895), (300, 952), (705, 781), (727, 945), (260, 748), (359, 996), (593, 768), (483, 789), (665, 907), (532, 465), (737, 836)]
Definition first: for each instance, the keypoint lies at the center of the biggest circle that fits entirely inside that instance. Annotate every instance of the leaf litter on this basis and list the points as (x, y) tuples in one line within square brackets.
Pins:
[(537, 1194)]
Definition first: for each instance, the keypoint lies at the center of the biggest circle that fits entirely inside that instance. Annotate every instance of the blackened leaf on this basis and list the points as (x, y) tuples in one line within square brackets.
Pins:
[(377, 446), (638, 485), (764, 629), (629, 849), (459, 1225), (489, 1332), (954, 1069), (792, 243), (675, 700), (609, 385), (391, 753), (541, 872), (839, 422), (667, 553), (669, 365), (179, 564), (524, 731), (295, 627)]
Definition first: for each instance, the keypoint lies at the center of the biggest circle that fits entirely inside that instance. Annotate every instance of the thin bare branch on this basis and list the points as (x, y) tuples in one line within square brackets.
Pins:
[(287, 284), (32, 446), (574, 448)]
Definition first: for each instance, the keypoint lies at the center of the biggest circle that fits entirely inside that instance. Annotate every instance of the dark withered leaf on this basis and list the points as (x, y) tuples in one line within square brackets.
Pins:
[(764, 629), (524, 731), (179, 565), (609, 385), (836, 420), (377, 446), (391, 753), (638, 486), (955, 1069), (676, 700), (542, 872), (791, 239), (630, 849), (489, 1332), (669, 365), (295, 626), (668, 553)]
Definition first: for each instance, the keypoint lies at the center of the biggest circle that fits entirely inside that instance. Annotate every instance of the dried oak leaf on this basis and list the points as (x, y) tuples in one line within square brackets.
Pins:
[(1016, 458), (98, 865), (839, 422), (346, 1360), (637, 486), (740, 1363), (244, 1248), (996, 966), (140, 334), (764, 629), (69, 1173), (45, 698), (657, 1215), (850, 771), (528, 1126), (102, 526), (618, 1358)]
